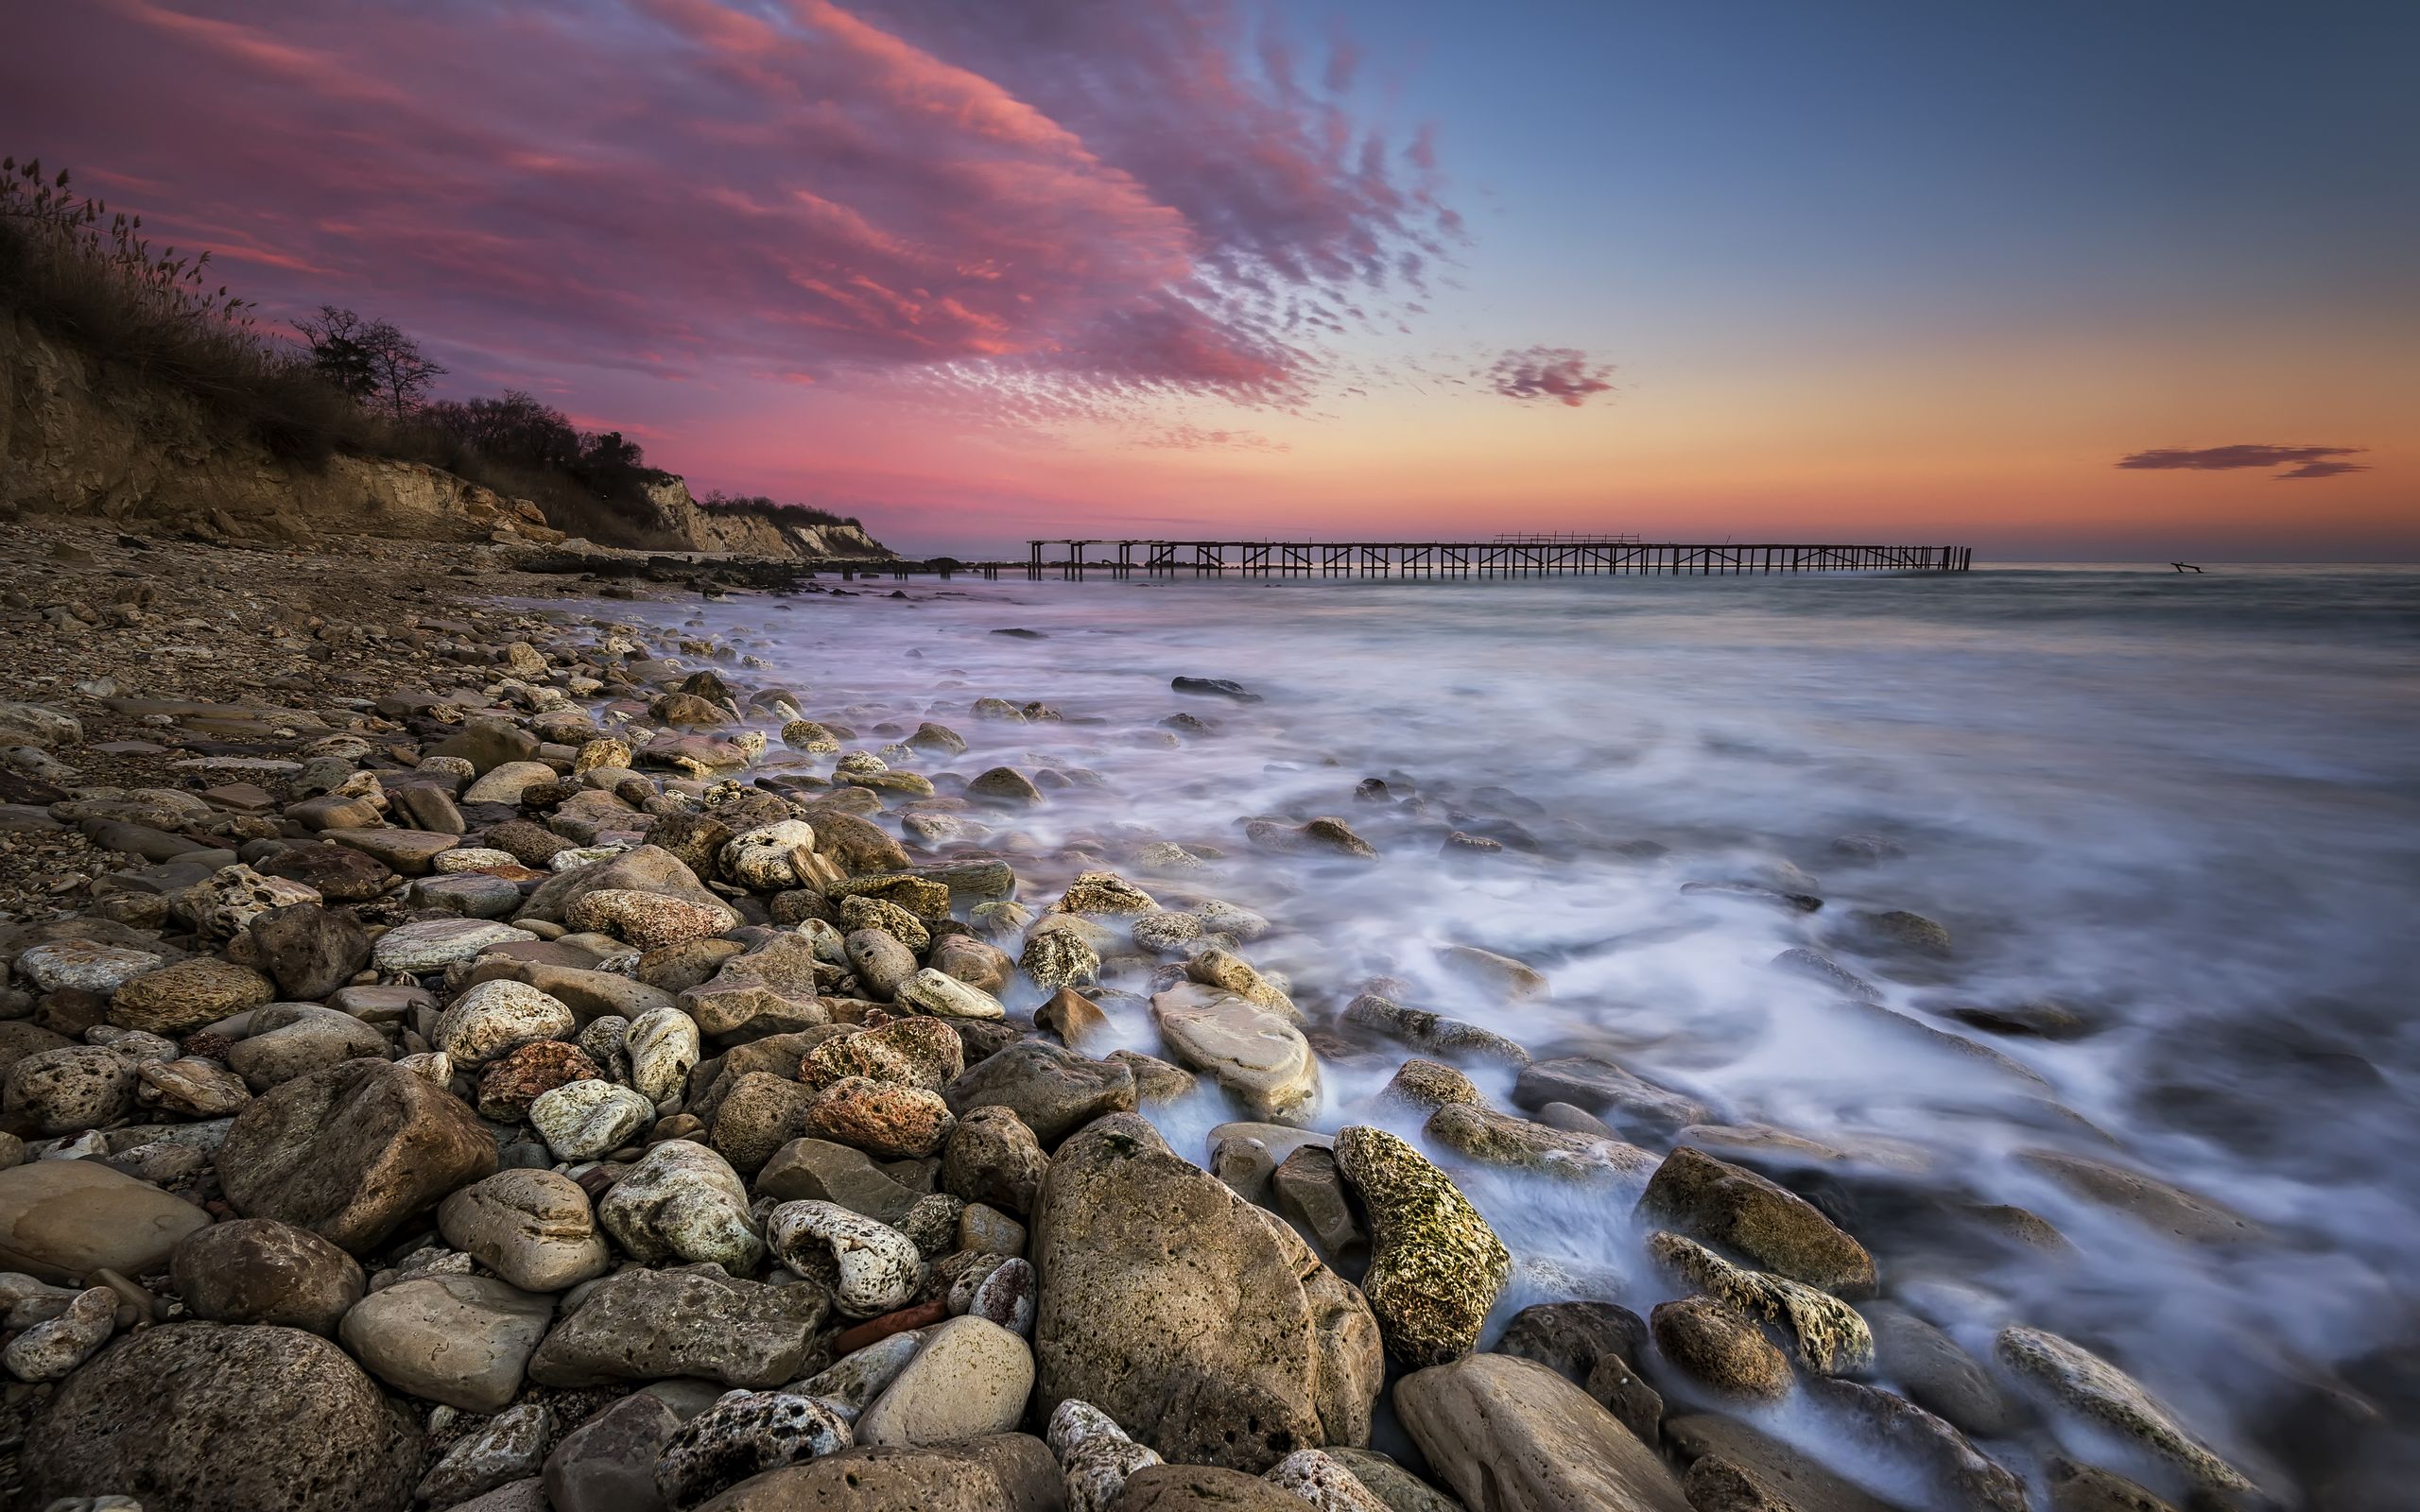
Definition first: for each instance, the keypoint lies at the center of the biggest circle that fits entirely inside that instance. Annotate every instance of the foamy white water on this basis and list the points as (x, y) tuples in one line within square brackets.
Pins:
[(2186, 810)]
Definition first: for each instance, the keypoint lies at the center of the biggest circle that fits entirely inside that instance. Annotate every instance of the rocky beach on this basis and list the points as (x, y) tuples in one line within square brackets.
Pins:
[(461, 1052)]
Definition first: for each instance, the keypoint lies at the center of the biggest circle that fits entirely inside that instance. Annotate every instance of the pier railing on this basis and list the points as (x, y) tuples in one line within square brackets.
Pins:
[(1513, 557)]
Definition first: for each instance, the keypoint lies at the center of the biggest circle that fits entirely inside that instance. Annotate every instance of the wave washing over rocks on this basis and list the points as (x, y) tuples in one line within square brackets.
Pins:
[(1713, 1046)]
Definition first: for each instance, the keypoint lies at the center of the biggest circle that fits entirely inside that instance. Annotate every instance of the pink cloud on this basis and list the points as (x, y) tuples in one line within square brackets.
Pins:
[(1564, 375), (1066, 201)]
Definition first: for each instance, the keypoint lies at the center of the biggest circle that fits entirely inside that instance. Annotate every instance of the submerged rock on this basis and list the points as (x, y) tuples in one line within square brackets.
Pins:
[(1435, 1266), (1253, 1052), (2083, 1382), (1829, 1334), (1722, 1203)]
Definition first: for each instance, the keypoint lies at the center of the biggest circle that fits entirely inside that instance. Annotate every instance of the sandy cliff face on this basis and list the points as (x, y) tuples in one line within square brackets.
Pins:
[(705, 529), (75, 440)]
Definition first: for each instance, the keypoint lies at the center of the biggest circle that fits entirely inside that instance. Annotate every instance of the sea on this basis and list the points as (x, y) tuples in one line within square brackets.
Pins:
[(2169, 822)]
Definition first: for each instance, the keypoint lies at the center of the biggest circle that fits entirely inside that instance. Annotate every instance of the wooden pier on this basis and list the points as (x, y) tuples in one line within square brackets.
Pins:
[(1506, 557)]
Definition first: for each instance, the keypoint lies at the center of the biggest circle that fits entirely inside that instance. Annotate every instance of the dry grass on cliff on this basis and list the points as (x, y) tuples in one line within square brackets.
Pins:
[(90, 279)]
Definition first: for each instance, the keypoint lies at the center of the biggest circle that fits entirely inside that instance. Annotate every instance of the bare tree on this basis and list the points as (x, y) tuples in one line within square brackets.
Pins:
[(371, 360)]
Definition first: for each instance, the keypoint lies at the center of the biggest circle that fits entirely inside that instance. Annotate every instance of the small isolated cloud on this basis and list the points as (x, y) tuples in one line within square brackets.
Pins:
[(1200, 438), (2300, 461), (1562, 373)]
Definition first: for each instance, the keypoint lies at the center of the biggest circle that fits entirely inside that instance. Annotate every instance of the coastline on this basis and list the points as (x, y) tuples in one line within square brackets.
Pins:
[(520, 1090)]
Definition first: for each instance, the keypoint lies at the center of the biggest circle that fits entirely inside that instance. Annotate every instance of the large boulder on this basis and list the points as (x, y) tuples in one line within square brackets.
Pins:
[(63, 1218), (352, 1151), (1186, 1314), (1512, 1435), (210, 1418)]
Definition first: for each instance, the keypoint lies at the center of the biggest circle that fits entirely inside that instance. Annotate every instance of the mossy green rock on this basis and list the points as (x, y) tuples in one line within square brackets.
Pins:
[(1435, 1266), (1723, 1203), (1829, 1334)]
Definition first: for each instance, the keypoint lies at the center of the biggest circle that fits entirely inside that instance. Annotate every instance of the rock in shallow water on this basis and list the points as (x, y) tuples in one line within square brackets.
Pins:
[(2085, 1383), (1254, 1053), (1723, 1203), (1435, 1266), (1830, 1336)]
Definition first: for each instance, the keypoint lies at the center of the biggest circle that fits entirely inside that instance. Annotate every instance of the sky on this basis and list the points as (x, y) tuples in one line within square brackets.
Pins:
[(2058, 280)]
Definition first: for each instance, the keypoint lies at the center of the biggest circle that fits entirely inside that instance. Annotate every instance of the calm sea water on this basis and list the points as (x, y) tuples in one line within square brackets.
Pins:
[(2186, 809)]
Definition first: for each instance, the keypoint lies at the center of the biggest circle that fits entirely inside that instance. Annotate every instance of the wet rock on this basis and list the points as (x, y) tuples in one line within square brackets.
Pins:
[(1710, 1199), (1896, 932), (585, 1120), (1499, 1138), (1830, 1336), (1053, 1091), (743, 1436), (1451, 1037), (1257, 1054), (2167, 1209), (1320, 836), (2038, 1019), (608, 1463), (1936, 1374), (1004, 786), (1435, 1266), (352, 1151), (253, 1270), (2083, 1383), (1720, 1349), (207, 1417), (534, 1228), (887, 1121), (1601, 1087), (1595, 1346), (648, 1325), (177, 998), (1056, 958), (682, 1200), (78, 1086), (2080, 1488), (993, 1156), (971, 1377), (1309, 1191), (1186, 1315), (1156, 1083), (1735, 1467), (878, 1268), (1426, 1085), (1508, 1434), (461, 1340), (1819, 969), (506, 1449), (1931, 1449)]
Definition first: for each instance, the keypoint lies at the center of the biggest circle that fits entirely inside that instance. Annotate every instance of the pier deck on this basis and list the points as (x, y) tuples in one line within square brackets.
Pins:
[(1506, 556)]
